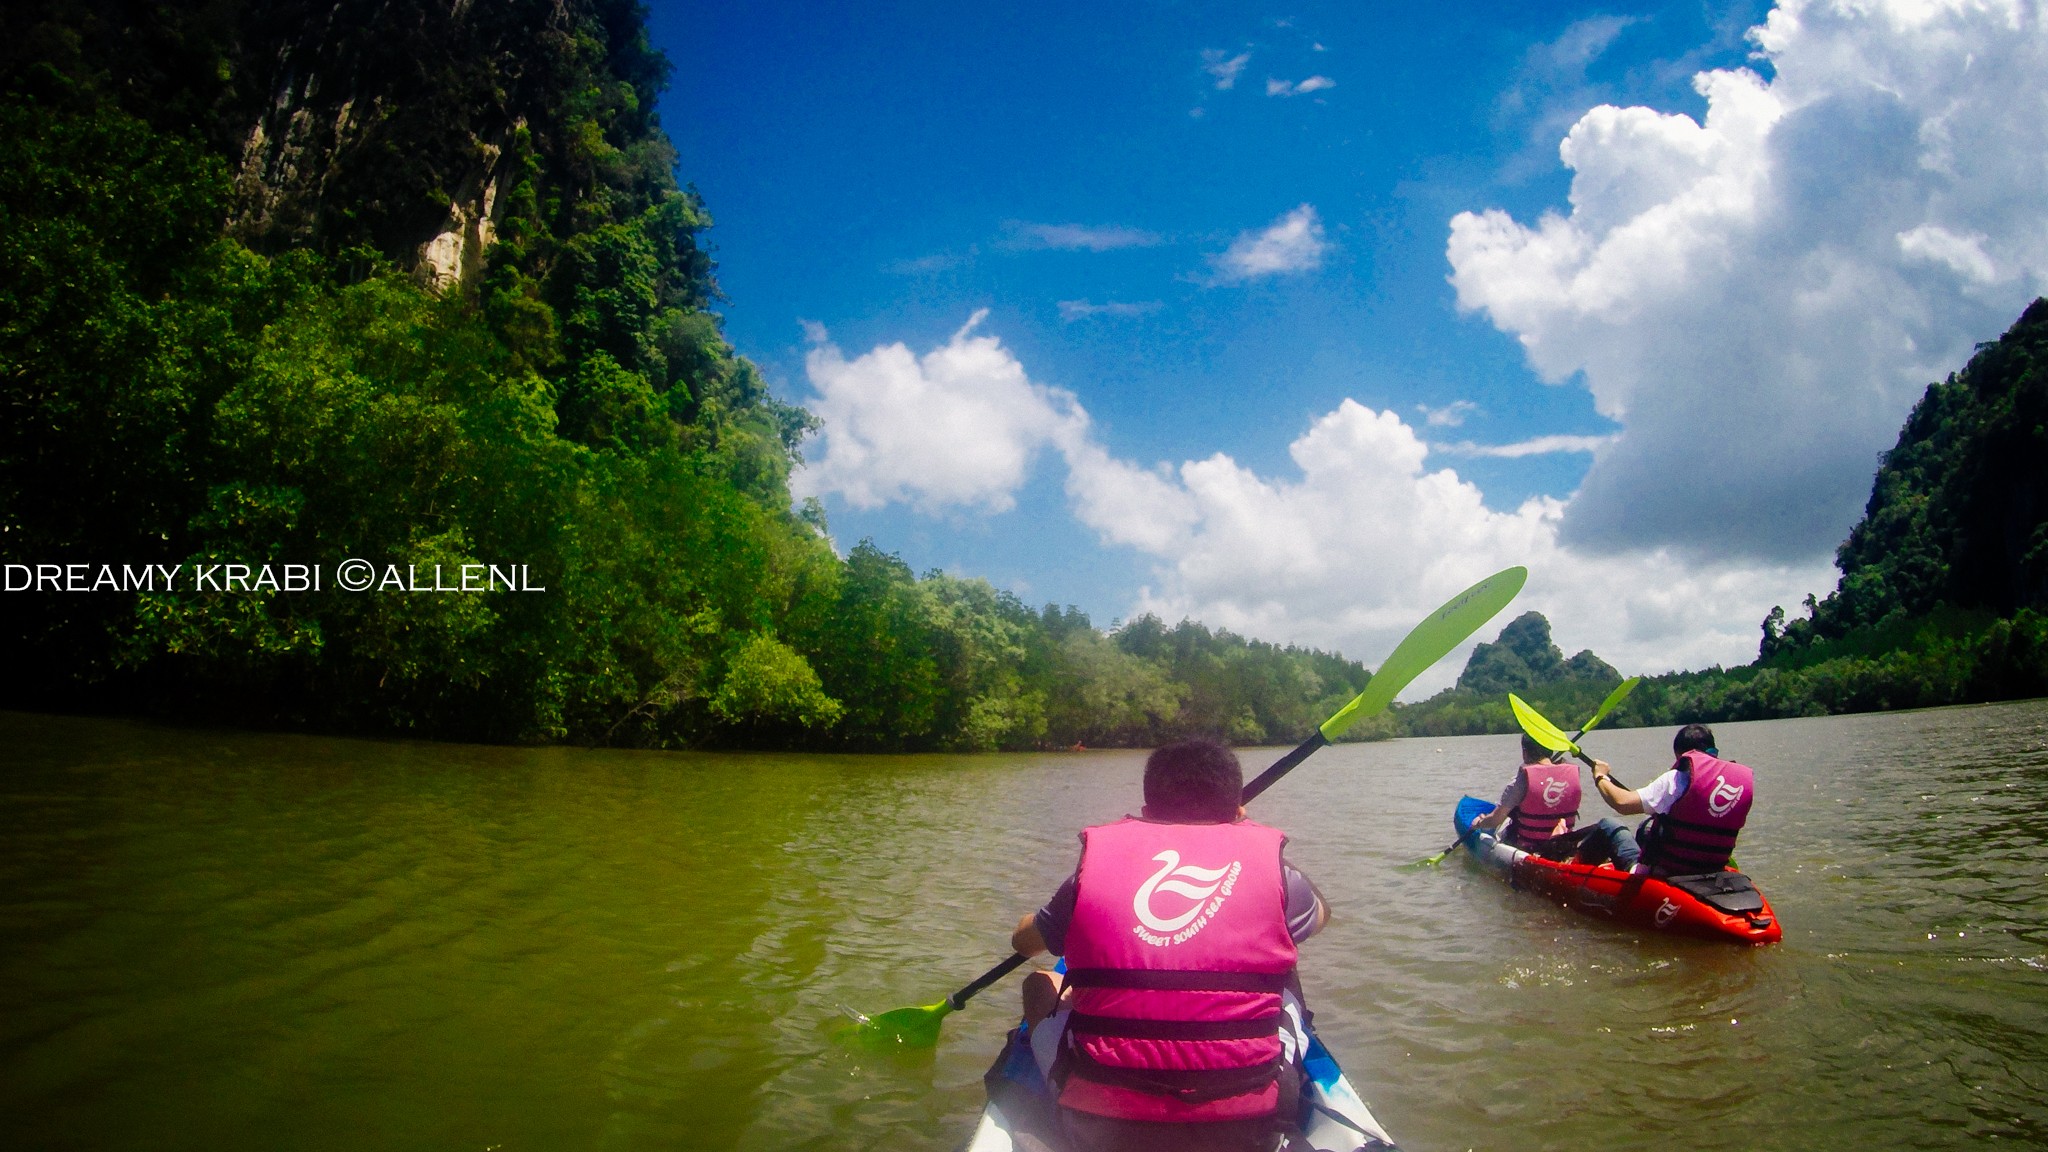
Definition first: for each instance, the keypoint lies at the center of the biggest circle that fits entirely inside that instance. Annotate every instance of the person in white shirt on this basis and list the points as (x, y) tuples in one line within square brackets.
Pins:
[(1610, 839)]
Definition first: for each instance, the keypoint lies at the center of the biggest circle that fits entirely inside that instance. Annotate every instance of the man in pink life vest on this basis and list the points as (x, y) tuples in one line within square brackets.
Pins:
[(1697, 807), (1543, 799), (1179, 1023)]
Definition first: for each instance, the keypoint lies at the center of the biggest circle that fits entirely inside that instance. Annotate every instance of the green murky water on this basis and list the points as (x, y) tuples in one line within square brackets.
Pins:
[(226, 941)]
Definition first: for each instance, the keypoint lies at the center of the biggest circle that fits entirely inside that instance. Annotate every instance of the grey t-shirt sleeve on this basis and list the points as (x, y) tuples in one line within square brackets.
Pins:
[(1516, 791), (1303, 905), (1057, 915)]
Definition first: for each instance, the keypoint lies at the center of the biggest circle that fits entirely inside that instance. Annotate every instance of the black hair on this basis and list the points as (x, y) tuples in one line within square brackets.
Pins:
[(1193, 782), (1532, 752), (1693, 738)]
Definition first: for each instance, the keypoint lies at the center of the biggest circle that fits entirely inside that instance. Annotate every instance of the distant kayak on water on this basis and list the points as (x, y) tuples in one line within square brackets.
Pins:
[(1716, 906)]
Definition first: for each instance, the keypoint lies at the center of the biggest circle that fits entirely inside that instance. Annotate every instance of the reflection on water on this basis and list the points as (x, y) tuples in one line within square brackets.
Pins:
[(229, 941)]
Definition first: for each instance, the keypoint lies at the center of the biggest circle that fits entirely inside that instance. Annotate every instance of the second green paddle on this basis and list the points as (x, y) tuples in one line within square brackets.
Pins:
[(1550, 737)]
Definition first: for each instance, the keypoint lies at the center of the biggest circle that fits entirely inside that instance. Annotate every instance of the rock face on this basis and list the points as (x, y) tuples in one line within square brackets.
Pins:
[(405, 127), (456, 252), (389, 123), (1524, 657)]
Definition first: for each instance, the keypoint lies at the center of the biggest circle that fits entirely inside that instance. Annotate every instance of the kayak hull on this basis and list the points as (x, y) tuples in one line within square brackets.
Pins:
[(1681, 906), (1021, 1112)]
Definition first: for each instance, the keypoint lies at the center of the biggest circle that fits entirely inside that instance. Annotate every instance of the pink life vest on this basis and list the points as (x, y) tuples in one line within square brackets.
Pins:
[(1177, 953), (1698, 833), (1550, 794)]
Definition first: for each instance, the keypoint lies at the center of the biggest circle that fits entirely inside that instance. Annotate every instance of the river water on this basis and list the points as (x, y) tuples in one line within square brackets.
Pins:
[(230, 941)]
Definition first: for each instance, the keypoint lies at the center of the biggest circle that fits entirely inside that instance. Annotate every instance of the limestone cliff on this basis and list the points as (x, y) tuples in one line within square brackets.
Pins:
[(397, 125)]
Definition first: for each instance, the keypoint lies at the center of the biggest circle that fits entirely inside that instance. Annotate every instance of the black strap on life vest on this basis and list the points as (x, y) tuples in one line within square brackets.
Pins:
[(1178, 980), (1135, 1029), (1189, 1086), (1674, 845), (1526, 822)]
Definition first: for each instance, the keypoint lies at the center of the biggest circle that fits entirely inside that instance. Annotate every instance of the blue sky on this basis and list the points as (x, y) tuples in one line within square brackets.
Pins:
[(1218, 233)]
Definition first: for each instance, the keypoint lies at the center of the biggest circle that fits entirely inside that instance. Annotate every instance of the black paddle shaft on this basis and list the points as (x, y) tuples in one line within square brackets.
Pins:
[(1283, 766), (958, 1000), (1581, 754)]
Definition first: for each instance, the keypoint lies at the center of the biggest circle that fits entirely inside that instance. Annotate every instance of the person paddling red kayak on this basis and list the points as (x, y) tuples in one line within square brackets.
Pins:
[(1543, 800), (1698, 807)]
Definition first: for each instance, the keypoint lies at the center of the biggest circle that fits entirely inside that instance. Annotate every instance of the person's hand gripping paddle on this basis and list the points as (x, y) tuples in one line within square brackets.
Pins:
[(1551, 737), (1431, 640)]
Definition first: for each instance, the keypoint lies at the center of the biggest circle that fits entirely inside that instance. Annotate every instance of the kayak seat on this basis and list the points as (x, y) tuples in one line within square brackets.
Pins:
[(1730, 892)]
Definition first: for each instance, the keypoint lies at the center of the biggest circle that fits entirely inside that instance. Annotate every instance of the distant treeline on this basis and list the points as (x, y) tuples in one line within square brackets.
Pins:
[(223, 340)]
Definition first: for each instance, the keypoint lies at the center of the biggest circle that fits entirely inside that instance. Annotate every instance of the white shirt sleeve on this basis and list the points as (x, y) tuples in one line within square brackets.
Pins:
[(1660, 794)]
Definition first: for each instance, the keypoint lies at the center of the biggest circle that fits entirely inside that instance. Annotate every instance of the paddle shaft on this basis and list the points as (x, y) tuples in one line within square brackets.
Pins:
[(1283, 766), (958, 1000), (1581, 754), (1577, 751)]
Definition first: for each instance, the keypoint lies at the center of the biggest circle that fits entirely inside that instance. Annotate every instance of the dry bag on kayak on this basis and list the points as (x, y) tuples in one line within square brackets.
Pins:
[(1731, 892)]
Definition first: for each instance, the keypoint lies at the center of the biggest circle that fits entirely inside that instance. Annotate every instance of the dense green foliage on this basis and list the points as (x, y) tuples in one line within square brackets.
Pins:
[(217, 350)]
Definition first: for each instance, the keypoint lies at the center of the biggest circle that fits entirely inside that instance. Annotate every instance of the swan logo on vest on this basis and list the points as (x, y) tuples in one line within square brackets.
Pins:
[(1553, 791), (1725, 796), (1208, 888)]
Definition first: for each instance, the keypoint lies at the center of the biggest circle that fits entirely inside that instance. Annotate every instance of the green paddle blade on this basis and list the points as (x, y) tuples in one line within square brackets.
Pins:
[(1613, 698), (1427, 861), (902, 1027), (1432, 640), (1540, 730)]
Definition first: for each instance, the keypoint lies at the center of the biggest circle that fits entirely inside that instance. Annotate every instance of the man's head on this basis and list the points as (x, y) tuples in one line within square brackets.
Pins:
[(1693, 738), (1532, 752), (1193, 782)]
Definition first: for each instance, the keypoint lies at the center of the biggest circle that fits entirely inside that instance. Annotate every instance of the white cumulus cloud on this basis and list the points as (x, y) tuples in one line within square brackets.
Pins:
[(1293, 243), (1759, 296), (956, 427)]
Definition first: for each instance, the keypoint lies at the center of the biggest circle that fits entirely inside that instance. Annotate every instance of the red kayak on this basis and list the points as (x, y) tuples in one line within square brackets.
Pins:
[(1716, 905)]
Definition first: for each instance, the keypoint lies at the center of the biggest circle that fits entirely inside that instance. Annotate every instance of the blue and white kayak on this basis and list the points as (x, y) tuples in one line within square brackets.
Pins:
[(1021, 1112)]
